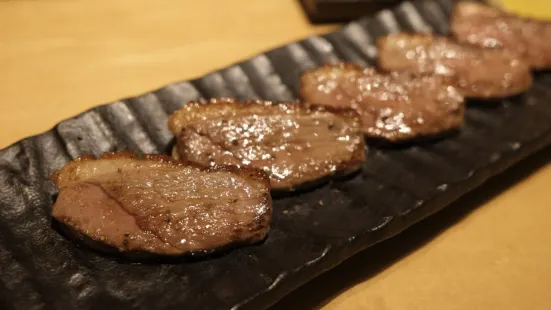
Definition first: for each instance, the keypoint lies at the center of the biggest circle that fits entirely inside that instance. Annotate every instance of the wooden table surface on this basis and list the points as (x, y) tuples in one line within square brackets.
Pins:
[(491, 250)]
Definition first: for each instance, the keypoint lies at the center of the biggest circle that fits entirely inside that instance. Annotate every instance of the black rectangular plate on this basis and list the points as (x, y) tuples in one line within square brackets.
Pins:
[(312, 232)]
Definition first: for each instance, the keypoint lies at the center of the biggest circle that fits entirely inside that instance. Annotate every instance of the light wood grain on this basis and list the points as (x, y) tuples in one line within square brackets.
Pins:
[(529, 8), (59, 58)]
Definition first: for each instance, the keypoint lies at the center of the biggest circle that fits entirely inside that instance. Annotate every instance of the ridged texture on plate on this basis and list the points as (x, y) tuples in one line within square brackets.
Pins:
[(311, 232)]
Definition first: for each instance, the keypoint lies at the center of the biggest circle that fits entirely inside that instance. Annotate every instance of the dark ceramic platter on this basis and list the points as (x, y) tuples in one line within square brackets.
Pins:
[(312, 231)]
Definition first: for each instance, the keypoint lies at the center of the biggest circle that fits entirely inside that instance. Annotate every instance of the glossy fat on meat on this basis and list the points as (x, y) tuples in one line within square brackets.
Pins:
[(160, 206), (393, 107), (476, 72), (489, 27), (296, 145)]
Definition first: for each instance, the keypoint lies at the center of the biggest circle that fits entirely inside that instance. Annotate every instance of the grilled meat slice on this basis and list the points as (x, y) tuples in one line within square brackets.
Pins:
[(476, 72), (393, 107), (296, 145), (156, 205), (481, 25)]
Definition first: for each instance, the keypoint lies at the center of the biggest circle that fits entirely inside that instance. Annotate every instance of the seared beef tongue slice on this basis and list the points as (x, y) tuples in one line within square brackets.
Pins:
[(489, 27), (476, 72), (393, 107), (295, 144), (157, 205)]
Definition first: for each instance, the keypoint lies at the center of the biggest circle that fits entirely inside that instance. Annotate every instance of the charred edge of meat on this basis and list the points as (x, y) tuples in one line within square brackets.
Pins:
[(298, 106), (494, 102), (103, 247), (312, 185), (344, 170), (382, 40), (345, 66), (332, 66), (255, 174), (340, 65), (381, 143), (143, 257)]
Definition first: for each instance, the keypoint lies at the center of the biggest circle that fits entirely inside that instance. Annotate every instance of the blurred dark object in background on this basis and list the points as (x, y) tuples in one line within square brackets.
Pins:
[(323, 11)]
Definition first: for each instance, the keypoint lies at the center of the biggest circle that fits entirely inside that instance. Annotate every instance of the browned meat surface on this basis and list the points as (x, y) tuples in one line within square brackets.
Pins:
[(295, 144), (393, 106), (158, 205), (485, 26), (476, 72)]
